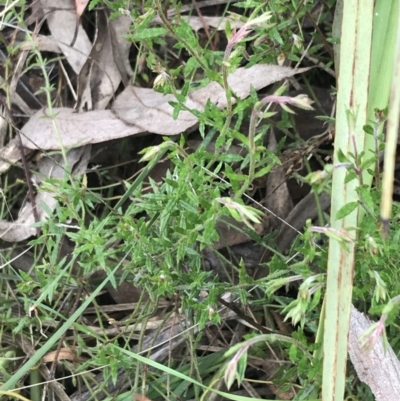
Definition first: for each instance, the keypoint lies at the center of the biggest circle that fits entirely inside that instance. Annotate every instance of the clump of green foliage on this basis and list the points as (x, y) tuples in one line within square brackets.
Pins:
[(155, 238)]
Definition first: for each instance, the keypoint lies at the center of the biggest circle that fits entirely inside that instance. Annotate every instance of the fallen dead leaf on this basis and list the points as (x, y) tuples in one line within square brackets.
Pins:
[(139, 397), (76, 129), (277, 199), (10, 154), (63, 354), (150, 111), (36, 13), (62, 22), (142, 110), (42, 43), (80, 6), (259, 76), (121, 47), (3, 128), (232, 232), (99, 78)]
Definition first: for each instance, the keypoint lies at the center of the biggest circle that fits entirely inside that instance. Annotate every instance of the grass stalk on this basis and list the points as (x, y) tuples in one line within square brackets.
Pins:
[(351, 116), (391, 138), (386, 21)]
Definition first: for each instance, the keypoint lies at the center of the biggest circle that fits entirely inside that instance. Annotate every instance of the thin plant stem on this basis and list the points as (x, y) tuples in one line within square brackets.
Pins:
[(316, 197), (252, 150), (180, 39), (228, 95)]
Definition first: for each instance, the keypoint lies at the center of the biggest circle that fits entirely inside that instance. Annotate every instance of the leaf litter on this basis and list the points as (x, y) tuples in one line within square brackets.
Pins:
[(141, 110)]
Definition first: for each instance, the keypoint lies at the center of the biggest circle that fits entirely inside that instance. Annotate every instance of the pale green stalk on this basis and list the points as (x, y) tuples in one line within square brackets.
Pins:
[(391, 137), (351, 116), (386, 20), (252, 151)]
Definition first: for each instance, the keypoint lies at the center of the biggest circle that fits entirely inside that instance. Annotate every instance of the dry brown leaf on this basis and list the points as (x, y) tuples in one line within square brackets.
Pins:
[(21, 229), (3, 128), (231, 232), (80, 6), (10, 154), (99, 77), (76, 129), (139, 397), (125, 293), (259, 76), (42, 43), (63, 354), (62, 23), (142, 110), (121, 47), (150, 111), (277, 199), (36, 13)]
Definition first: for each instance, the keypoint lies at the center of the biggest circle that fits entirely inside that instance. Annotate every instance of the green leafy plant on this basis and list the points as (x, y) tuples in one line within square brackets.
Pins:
[(154, 234)]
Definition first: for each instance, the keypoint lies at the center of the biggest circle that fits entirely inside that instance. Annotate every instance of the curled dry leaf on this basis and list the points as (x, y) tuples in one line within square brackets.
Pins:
[(138, 110), (3, 128), (277, 199), (76, 129), (10, 154), (100, 76), (80, 6), (259, 76), (139, 397), (62, 22), (121, 47), (64, 354), (42, 43), (21, 229), (151, 111), (232, 232)]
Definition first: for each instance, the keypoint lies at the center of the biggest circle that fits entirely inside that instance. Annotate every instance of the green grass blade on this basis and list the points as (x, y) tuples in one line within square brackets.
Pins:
[(350, 119), (38, 355), (180, 375), (385, 25), (391, 137)]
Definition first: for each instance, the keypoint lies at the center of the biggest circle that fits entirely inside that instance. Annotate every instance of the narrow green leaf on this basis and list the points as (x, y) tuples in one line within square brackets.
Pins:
[(346, 210), (230, 158), (150, 33)]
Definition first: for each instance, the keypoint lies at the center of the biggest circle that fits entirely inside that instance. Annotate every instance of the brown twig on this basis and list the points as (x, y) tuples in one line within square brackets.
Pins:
[(204, 23)]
